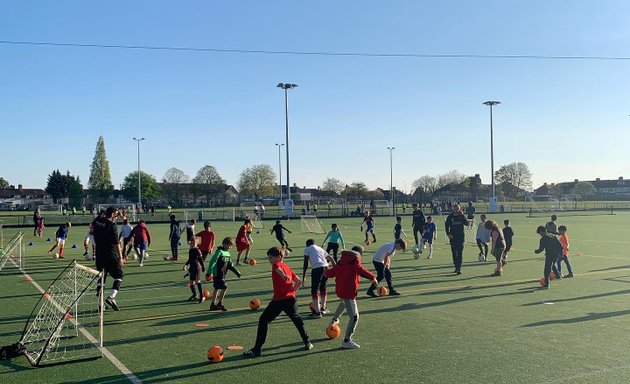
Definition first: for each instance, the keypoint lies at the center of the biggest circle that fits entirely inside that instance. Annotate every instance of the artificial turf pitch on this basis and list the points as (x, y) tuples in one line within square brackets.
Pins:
[(444, 328)]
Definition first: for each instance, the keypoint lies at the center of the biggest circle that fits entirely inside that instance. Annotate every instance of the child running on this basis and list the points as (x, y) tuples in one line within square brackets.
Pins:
[(194, 265), (278, 228), (60, 238), (368, 220), (141, 241), (429, 234), (564, 239), (508, 234), (346, 274), (207, 240), (336, 239), (319, 259), (218, 267), (398, 229), (382, 262), (285, 285)]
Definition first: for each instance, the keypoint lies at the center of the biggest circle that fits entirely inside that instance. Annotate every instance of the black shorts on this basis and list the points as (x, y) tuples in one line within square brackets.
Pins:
[(111, 267), (219, 284), (194, 274)]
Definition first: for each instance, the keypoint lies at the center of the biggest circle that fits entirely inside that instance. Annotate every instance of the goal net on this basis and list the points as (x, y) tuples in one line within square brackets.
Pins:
[(66, 324), (13, 251), (311, 224)]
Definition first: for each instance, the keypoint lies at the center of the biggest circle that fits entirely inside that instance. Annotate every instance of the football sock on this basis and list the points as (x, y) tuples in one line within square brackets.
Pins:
[(60, 252), (113, 294), (200, 288), (324, 296), (192, 289)]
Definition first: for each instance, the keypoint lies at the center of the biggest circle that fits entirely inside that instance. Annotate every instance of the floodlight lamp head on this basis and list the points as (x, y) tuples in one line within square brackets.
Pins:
[(492, 103)]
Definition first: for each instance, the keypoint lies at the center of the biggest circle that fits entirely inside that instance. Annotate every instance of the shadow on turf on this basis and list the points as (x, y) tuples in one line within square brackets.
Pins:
[(589, 297), (177, 373), (589, 317)]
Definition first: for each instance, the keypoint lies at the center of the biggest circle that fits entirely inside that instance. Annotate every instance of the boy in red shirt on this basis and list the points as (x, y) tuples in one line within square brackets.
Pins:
[(242, 242), (207, 240), (285, 285), (564, 239), (347, 272)]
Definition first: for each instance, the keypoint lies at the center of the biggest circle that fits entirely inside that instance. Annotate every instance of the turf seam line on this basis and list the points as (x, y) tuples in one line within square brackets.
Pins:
[(113, 359)]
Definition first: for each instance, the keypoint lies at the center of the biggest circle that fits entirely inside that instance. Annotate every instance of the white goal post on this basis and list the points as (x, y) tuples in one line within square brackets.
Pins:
[(66, 324), (310, 224)]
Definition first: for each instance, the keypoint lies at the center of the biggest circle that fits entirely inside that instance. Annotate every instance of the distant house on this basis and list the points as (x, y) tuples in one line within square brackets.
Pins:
[(23, 198), (605, 189)]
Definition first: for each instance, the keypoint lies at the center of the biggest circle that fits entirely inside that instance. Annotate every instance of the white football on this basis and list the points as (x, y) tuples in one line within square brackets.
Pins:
[(56, 255), (166, 257), (481, 257), (88, 257), (146, 255)]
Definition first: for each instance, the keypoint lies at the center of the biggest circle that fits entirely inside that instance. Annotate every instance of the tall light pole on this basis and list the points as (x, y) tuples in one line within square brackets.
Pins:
[(493, 199), (286, 87), (280, 170), (391, 177), (138, 140)]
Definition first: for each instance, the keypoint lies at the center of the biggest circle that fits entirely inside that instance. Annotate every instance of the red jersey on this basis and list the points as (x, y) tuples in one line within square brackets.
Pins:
[(347, 272), (207, 240), (564, 239), (241, 236), (141, 234), (282, 289)]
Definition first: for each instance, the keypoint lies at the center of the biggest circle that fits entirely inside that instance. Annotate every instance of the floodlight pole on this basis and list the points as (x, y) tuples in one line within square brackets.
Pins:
[(280, 169), (493, 202), (391, 178), (138, 140), (286, 87)]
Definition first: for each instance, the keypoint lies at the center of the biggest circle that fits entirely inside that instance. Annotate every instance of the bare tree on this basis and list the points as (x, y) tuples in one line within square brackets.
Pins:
[(173, 181), (516, 174), (333, 185), (452, 177)]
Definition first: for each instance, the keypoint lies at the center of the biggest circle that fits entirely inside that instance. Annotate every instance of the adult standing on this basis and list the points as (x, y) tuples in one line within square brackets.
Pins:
[(108, 252), (418, 221), (454, 227)]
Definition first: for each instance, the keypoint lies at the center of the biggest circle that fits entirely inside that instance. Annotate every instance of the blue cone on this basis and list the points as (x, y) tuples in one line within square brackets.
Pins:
[(179, 244), (74, 246), (48, 239), (30, 244)]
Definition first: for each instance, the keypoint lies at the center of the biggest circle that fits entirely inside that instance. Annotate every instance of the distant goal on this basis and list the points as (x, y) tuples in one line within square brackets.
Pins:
[(311, 224)]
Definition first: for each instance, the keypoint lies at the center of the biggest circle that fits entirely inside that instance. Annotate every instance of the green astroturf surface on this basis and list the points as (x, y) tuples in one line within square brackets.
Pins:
[(444, 328)]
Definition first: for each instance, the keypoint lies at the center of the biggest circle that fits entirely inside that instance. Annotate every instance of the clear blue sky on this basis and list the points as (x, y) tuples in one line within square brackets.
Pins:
[(566, 119)]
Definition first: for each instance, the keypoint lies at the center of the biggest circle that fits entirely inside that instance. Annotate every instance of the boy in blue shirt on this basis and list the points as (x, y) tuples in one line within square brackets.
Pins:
[(429, 234)]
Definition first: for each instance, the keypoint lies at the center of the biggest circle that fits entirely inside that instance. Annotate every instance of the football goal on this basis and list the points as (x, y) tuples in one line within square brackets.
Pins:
[(66, 324), (13, 251), (311, 224)]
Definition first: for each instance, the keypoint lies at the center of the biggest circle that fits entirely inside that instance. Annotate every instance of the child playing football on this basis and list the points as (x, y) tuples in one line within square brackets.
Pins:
[(319, 259), (242, 243), (346, 274), (285, 285), (382, 262), (218, 267), (429, 234), (336, 239), (278, 228), (553, 249), (368, 220), (564, 239), (194, 265), (498, 245), (508, 234), (207, 240), (398, 229), (60, 238)]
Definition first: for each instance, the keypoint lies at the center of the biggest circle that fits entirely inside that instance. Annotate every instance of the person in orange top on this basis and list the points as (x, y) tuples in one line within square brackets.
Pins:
[(564, 239), (285, 285), (207, 240)]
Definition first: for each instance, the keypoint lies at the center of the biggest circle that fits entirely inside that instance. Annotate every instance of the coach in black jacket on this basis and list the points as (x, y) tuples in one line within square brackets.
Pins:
[(454, 226)]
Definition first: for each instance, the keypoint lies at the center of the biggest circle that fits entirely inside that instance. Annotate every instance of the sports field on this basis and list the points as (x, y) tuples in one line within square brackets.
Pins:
[(444, 328)]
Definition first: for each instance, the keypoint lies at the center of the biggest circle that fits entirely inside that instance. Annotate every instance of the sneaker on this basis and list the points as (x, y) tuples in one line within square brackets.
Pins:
[(251, 353), (544, 287), (173, 259), (308, 346), (458, 272), (350, 344), (503, 262), (430, 256), (221, 307), (334, 321), (238, 263), (141, 264), (496, 273), (85, 253), (570, 275), (214, 307), (193, 298), (370, 292), (202, 298), (324, 311), (246, 261), (393, 292), (112, 304), (316, 315)]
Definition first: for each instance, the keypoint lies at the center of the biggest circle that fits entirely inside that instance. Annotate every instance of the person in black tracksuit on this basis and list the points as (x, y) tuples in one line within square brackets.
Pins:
[(174, 235), (553, 250), (454, 227), (418, 221), (108, 253)]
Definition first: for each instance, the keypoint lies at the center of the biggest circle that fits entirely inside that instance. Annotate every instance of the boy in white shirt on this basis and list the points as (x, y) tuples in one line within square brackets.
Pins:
[(382, 261), (319, 260)]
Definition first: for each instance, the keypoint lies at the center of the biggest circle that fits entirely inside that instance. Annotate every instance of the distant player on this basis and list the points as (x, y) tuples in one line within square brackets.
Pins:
[(190, 230), (346, 273), (429, 234), (141, 241), (194, 265), (564, 240), (125, 236), (368, 220), (207, 240), (470, 214), (60, 238), (551, 225), (280, 236), (174, 234), (38, 222), (483, 238), (508, 234), (86, 242), (335, 239), (382, 262), (553, 249), (285, 285), (418, 222), (398, 229), (454, 228), (319, 260), (219, 264), (242, 243)]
